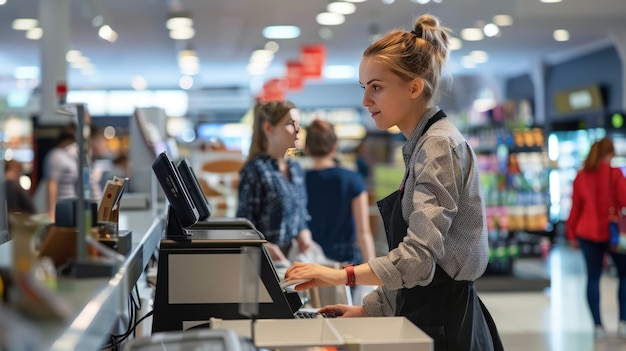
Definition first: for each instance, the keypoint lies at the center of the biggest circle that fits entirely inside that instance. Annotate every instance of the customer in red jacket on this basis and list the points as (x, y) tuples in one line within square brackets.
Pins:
[(596, 187)]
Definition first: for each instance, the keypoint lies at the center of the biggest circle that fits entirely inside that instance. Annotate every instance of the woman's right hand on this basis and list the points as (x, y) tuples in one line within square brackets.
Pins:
[(573, 243), (344, 311)]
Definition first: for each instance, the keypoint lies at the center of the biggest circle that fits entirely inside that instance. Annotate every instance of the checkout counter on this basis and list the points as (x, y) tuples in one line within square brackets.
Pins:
[(96, 304)]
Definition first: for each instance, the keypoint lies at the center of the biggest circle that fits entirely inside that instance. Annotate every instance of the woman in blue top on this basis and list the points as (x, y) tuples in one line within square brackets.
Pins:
[(338, 202), (272, 193)]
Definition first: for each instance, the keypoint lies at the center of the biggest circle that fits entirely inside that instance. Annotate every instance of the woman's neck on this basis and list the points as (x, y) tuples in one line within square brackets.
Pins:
[(276, 153)]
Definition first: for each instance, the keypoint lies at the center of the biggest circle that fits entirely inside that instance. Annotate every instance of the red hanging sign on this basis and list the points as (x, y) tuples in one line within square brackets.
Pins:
[(273, 89), (313, 58), (295, 75)]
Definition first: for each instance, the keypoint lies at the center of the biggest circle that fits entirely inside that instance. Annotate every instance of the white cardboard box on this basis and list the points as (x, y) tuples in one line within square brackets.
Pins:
[(382, 333), (369, 333), (284, 333)]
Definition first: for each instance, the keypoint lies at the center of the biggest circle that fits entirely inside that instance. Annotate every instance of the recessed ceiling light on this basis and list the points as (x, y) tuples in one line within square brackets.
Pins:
[(182, 33), (272, 46), (185, 82), (356, 0), (330, 19), (472, 34), (97, 21), (281, 32), (107, 33), (339, 72), (178, 22), (550, 1), (341, 7), (24, 23), (325, 33), (455, 43), (491, 30), (34, 33), (561, 35), (262, 55), (503, 20)]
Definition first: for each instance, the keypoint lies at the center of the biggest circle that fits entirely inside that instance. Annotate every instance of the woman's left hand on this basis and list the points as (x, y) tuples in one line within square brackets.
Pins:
[(320, 276), (304, 240)]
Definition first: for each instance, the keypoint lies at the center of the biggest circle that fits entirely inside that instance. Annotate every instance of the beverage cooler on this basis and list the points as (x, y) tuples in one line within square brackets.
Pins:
[(567, 150)]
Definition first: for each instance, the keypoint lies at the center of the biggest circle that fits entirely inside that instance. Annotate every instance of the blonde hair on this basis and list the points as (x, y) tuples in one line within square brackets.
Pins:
[(421, 53), (599, 150), (271, 112)]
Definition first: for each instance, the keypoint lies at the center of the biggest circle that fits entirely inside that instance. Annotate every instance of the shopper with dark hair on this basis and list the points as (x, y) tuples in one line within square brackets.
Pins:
[(18, 199), (272, 193), (598, 190), (435, 223), (337, 200)]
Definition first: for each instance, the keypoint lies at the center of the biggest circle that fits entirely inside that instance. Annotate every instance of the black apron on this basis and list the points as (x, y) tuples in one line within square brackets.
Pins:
[(449, 311)]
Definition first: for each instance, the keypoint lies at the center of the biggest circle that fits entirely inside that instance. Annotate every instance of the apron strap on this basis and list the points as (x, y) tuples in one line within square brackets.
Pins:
[(439, 115)]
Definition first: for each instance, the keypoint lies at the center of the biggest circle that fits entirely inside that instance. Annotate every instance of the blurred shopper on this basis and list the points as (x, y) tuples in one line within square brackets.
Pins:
[(60, 169), (271, 190), (362, 164), (337, 201), (18, 199), (435, 222), (596, 187)]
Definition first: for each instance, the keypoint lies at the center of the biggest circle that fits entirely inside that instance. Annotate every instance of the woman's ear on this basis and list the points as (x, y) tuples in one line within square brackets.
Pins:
[(267, 128), (417, 87)]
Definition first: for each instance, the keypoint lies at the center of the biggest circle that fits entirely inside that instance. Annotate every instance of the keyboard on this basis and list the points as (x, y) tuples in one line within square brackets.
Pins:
[(312, 314)]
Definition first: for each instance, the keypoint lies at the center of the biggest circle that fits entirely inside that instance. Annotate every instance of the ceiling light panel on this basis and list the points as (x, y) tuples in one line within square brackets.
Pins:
[(503, 20), (330, 19), (561, 35), (24, 23), (472, 34), (178, 22), (341, 7), (281, 32), (491, 29)]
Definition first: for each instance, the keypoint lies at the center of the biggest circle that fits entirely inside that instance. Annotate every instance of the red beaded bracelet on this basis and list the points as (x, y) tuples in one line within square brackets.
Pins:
[(351, 277)]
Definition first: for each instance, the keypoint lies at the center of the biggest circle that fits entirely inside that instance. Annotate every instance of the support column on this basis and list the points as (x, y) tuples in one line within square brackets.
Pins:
[(54, 19), (538, 78), (618, 37)]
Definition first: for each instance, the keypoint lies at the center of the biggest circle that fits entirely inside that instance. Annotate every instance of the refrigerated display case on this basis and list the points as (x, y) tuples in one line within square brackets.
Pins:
[(567, 150)]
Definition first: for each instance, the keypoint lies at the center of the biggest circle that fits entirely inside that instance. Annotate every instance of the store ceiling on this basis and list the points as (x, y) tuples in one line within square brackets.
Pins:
[(227, 31)]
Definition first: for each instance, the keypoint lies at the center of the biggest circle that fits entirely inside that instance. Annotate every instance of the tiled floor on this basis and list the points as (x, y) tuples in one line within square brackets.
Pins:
[(556, 319)]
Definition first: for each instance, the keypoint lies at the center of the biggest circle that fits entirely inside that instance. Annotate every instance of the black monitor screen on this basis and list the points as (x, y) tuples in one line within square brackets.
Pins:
[(176, 193), (195, 191)]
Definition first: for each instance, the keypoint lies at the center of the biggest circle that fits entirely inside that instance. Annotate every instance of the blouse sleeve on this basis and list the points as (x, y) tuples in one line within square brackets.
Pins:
[(302, 200), (250, 194)]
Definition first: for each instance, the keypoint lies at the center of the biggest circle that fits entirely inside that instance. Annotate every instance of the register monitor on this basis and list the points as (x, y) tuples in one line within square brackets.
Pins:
[(195, 191), (182, 211), (199, 279)]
